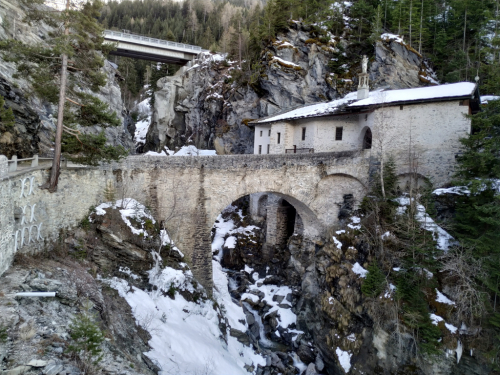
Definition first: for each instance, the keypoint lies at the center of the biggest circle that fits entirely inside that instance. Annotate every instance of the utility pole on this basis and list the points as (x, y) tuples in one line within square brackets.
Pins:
[(51, 185)]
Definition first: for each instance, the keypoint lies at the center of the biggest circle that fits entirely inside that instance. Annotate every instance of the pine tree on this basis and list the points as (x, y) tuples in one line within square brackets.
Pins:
[(6, 116), (71, 58), (477, 223)]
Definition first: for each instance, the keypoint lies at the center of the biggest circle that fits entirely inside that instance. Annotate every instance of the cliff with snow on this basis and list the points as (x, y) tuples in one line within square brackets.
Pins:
[(208, 103)]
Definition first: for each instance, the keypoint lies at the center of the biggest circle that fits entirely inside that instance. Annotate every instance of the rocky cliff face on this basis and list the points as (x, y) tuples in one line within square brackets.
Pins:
[(23, 138), (35, 121), (208, 102), (338, 329)]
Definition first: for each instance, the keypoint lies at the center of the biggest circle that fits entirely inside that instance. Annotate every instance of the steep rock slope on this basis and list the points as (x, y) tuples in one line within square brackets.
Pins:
[(303, 301), (209, 102), (35, 118)]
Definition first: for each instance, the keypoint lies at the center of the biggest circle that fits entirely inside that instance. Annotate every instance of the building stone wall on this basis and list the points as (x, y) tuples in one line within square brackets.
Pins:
[(423, 138), (262, 140)]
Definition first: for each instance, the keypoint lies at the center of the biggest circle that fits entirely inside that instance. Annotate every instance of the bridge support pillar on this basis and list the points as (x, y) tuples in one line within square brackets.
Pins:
[(202, 250), (280, 221)]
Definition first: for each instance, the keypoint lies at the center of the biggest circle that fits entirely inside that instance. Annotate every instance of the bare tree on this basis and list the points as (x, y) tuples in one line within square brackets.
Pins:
[(462, 269), (383, 136)]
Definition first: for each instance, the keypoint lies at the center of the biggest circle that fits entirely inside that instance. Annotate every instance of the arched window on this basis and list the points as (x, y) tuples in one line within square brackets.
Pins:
[(367, 140)]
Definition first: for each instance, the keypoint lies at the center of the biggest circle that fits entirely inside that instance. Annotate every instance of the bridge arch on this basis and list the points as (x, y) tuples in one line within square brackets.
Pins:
[(313, 227)]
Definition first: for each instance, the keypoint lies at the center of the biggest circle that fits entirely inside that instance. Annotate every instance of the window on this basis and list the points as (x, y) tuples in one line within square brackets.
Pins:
[(366, 117), (260, 149), (367, 140), (269, 132), (338, 133), (303, 134), (401, 107), (268, 149), (261, 133), (279, 138)]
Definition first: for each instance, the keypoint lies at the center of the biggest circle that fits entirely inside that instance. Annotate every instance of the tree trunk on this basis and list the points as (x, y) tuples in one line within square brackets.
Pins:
[(239, 41), (421, 22), (382, 175), (411, 9), (51, 185), (465, 27)]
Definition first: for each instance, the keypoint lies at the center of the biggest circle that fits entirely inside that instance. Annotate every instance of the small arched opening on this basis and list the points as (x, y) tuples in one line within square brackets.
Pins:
[(367, 139), (281, 223)]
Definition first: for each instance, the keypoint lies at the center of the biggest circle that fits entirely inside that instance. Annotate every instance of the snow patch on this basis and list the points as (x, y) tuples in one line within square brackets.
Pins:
[(358, 270), (344, 358), (337, 242), (440, 297), (459, 190)]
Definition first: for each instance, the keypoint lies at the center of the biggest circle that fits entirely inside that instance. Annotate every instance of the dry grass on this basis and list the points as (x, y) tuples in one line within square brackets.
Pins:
[(27, 331)]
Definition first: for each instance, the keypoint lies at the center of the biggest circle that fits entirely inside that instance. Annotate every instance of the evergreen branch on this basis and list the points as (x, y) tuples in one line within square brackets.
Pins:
[(72, 101)]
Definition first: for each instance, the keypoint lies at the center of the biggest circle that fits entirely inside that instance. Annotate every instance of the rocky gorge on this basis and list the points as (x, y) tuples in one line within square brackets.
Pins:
[(297, 309)]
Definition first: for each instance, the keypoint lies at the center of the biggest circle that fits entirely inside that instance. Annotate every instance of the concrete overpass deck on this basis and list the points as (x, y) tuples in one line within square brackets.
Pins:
[(142, 47)]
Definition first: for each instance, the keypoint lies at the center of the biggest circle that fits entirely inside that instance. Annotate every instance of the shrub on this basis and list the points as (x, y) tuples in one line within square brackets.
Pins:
[(3, 334), (86, 339), (374, 282)]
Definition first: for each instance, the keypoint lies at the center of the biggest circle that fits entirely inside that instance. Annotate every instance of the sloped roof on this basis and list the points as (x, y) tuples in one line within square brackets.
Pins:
[(431, 93), (376, 98)]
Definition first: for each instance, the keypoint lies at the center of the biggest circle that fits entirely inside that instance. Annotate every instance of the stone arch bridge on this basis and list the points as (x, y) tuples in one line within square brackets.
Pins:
[(187, 193)]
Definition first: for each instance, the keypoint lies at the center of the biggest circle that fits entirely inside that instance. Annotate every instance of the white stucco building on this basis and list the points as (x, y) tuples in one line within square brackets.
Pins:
[(423, 124)]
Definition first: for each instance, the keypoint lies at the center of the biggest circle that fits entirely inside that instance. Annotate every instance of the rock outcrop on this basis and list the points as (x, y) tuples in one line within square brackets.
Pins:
[(35, 118), (209, 102), (23, 138)]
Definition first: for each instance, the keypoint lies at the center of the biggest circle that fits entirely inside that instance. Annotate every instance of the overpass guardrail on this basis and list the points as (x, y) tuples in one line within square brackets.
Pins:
[(160, 42)]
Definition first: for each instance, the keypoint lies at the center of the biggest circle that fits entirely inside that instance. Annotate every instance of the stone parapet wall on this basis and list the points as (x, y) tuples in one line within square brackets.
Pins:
[(229, 162), (31, 219)]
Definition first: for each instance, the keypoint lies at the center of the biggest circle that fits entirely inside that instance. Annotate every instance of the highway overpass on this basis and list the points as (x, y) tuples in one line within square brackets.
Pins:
[(142, 47)]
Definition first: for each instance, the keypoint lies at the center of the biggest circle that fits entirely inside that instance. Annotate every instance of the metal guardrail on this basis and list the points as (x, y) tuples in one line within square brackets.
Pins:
[(13, 163), (296, 150), (161, 42)]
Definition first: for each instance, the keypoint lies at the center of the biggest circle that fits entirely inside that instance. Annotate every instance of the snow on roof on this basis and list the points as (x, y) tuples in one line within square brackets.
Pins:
[(454, 90), (313, 110)]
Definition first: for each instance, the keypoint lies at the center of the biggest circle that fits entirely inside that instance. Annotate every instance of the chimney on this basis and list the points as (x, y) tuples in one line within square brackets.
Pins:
[(364, 80)]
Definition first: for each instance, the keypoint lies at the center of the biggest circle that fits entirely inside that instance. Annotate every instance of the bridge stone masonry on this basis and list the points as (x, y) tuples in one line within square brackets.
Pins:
[(186, 193)]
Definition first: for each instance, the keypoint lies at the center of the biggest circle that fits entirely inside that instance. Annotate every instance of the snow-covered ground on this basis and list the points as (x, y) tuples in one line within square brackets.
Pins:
[(142, 126), (185, 336), (443, 238), (184, 151)]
